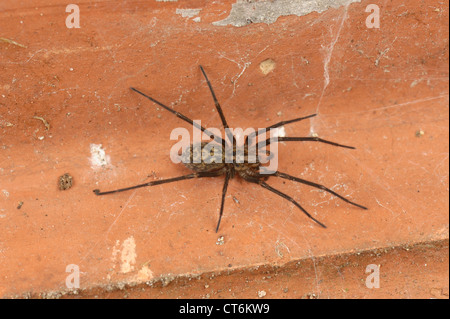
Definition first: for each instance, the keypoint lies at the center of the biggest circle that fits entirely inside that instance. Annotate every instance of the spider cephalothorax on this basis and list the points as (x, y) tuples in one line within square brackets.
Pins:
[(224, 158)]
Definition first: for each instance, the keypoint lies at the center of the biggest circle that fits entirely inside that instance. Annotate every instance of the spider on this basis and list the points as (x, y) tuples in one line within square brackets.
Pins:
[(249, 171)]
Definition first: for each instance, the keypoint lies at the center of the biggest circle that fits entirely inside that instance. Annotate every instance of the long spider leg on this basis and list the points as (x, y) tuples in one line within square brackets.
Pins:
[(255, 134), (296, 179), (300, 139), (218, 107), (183, 117), (163, 181), (224, 192), (273, 190)]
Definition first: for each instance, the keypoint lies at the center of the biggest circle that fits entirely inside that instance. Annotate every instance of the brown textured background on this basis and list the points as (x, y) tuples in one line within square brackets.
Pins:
[(374, 89)]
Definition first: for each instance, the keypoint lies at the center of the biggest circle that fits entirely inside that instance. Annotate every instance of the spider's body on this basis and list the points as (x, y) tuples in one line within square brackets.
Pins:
[(201, 158), (208, 161), (197, 159)]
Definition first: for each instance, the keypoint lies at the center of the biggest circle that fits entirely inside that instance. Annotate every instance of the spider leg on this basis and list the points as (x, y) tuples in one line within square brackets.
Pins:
[(164, 181), (183, 117), (224, 191), (300, 139), (273, 190), (255, 134), (218, 107), (296, 179)]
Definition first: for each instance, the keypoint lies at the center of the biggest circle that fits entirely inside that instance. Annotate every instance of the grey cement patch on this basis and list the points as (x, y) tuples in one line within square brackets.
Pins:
[(245, 12)]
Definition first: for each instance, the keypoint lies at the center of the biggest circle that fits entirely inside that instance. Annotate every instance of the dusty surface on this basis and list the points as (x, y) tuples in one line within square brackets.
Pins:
[(420, 271), (384, 91)]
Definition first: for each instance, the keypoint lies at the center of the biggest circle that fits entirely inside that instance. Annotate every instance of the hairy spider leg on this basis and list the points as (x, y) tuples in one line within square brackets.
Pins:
[(219, 108), (299, 180), (183, 117), (300, 139), (285, 196), (224, 191), (319, 186), (255, 134), (163, 181)]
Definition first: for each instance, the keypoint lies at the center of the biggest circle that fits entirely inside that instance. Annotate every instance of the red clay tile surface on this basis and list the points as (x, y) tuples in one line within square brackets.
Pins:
[(64, 92)]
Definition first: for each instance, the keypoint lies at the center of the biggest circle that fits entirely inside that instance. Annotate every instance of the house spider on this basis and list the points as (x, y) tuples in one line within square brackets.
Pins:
[(249, 171)]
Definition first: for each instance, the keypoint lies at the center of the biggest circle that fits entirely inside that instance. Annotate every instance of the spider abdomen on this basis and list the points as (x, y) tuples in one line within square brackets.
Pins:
[(203, 157), (207, 157)]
